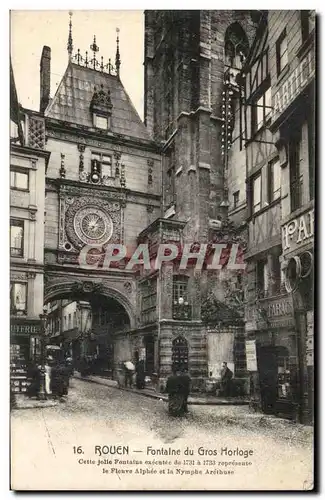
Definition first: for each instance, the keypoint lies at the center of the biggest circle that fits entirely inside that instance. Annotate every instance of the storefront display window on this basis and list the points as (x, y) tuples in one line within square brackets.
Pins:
[(286, 378)]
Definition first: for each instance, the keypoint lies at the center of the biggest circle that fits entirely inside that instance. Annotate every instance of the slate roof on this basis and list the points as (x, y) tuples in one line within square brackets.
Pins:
[(71, 102)]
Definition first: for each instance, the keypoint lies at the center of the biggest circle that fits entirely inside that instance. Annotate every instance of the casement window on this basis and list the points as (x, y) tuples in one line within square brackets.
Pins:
[(181, 306), (296, 176), (274, 184), (236, 199), (256, 193), (311, 156), (101, 164), (261, 110), (18, 298), (16, 238), (308, 22), (19, 179), (276, 276), (282, 52), (261, 278), (148, 301)]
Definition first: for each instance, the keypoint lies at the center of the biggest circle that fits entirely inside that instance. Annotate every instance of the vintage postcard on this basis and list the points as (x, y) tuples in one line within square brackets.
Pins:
[(162, 185)]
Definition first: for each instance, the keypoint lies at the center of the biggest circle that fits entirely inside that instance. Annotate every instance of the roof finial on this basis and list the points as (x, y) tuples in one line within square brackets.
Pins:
[(117, 57), (94, 47), (70, 43)]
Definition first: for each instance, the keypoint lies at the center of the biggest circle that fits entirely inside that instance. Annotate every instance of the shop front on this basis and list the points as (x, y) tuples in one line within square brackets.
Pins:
[(272, 356), (298, 268), (24, 351)]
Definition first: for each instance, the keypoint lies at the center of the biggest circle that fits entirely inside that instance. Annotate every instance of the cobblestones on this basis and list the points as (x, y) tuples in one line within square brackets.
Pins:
[(44, 439)]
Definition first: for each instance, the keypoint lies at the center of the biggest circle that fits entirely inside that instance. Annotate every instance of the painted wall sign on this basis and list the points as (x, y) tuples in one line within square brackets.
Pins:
[(279, 308), (25, 327), (298, 231), (274, 312), (251, 359), (294, 84)]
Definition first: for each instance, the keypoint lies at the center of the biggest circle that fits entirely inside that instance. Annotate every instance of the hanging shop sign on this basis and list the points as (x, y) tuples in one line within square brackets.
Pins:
[(292, 86), (251, 359), (25, 327), (298, 232)]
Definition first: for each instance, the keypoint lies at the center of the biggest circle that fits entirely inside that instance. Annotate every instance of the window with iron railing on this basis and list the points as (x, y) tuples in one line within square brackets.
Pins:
[(181, 306)]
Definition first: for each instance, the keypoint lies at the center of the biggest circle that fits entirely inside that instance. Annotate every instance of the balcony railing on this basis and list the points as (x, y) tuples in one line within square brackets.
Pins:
[(182, 312)]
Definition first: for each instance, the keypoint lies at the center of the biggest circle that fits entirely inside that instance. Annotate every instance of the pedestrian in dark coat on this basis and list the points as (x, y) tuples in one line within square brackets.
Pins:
[(140, 374), (60, 380), (35, 376), (178, 389), (225, 384)]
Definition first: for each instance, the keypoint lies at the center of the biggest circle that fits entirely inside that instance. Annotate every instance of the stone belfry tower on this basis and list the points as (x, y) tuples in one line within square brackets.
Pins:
[(187, 54)]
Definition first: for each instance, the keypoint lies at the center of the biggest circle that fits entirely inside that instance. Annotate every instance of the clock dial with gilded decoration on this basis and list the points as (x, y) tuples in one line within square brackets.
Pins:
[(92, 225)]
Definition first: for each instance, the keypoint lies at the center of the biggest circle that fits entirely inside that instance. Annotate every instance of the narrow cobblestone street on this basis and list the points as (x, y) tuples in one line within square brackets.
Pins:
[(45, 442)]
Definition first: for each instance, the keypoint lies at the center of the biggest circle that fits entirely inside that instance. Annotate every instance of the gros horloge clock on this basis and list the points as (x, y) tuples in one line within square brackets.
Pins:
[(92, 225)]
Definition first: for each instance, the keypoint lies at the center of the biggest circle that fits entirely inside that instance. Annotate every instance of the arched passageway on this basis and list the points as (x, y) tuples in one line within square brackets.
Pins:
[(84, 320)]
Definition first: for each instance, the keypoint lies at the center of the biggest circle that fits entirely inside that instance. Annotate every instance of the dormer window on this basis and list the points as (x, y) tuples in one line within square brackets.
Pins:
[(101, 122), (101, 108)]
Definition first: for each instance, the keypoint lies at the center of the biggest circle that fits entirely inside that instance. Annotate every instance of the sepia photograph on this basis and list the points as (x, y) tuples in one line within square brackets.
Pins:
[(162, 190)]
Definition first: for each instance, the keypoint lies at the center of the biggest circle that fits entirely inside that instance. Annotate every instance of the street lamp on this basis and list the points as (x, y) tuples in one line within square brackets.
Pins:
[(42, 391)]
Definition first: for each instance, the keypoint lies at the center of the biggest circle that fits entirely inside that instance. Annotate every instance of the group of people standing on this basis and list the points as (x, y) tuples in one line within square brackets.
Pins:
[(57, 378), (138, 370)]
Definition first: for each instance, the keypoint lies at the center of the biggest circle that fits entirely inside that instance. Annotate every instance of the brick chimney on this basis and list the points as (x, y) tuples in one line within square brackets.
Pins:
[(45, 78)]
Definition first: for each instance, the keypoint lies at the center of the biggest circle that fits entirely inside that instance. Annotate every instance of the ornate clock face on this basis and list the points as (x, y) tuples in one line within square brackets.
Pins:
[(93, 225)]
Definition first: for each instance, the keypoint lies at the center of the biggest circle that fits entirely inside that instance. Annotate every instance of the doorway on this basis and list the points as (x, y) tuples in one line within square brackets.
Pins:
[(268, 375), (277, 380), (149, 343)]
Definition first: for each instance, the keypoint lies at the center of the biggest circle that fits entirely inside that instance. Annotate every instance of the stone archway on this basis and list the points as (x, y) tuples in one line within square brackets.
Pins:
[(67, 288)]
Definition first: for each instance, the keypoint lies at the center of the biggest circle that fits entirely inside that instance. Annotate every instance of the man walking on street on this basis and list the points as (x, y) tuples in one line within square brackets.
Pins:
[(226, 376)]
